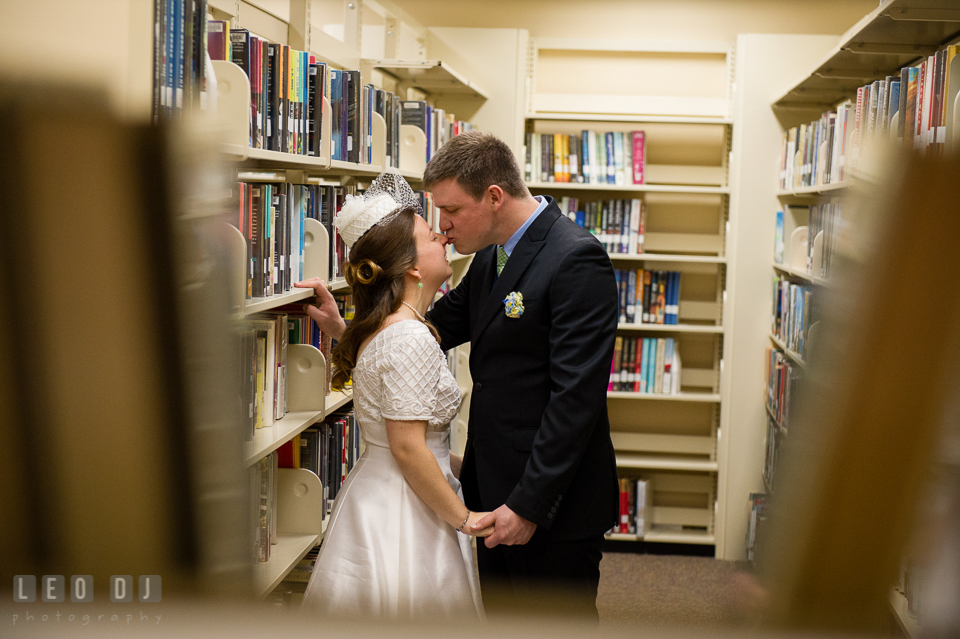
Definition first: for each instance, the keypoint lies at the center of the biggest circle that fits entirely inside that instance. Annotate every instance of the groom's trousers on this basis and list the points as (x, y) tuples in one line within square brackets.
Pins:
[(542, 577)]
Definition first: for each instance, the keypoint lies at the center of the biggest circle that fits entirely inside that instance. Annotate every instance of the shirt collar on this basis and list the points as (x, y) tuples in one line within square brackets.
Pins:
[(512, 242)]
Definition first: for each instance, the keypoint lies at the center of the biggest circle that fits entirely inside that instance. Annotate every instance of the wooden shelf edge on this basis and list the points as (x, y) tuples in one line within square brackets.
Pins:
[(775, 420)]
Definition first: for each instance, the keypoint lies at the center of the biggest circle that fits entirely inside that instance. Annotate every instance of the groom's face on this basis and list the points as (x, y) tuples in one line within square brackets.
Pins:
[(467, 223)]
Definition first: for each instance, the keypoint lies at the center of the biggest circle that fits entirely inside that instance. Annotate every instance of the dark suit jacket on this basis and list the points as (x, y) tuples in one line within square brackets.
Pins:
[(539, 437)]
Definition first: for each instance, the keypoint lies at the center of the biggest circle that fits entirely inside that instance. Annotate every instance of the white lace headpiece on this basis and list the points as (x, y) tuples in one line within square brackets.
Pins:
[(388, 194)]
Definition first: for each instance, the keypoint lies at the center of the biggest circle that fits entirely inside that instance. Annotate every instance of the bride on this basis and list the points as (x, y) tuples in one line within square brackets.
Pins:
[(397, 543)]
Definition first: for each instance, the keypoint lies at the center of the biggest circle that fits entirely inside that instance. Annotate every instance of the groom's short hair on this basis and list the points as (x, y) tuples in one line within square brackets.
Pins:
[(476, 160)]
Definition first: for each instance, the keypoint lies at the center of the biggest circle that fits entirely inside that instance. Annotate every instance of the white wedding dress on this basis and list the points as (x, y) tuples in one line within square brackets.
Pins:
[(386, 553)]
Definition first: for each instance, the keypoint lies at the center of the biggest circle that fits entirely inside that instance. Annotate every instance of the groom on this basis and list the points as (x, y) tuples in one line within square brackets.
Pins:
[(539, 308)]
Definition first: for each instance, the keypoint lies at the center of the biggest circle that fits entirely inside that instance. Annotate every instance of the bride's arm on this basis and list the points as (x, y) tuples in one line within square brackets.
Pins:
[(409, 447)]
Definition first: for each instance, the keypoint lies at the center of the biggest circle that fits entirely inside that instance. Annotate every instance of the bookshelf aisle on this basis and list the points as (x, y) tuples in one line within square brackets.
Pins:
[(896, 91), (301, 498), (648, 174)]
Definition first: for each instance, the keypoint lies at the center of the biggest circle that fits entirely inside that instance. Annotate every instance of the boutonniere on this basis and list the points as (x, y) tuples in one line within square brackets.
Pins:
[(513, 305)]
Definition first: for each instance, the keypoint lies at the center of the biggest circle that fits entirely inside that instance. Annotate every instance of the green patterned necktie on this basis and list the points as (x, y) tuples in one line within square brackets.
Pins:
[(501, 259)]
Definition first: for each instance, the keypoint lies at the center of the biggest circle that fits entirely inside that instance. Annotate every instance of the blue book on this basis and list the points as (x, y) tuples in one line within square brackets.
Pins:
[(652, 364), (429, 131), (586, 156), (611, 165), (644, 364), (674, 297), (582, 219), (631, 295), (894, 102), (778, 239)]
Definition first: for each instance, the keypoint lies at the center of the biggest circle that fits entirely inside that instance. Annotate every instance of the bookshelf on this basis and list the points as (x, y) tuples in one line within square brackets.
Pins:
[(671, 439), (299, 505)]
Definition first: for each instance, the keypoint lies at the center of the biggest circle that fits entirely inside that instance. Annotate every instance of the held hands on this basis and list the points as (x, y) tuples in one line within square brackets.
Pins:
[(472, 529), (324, 310), (508, 527)]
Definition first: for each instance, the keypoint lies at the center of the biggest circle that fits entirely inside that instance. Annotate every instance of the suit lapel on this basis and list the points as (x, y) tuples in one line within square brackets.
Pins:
[(531, 243)]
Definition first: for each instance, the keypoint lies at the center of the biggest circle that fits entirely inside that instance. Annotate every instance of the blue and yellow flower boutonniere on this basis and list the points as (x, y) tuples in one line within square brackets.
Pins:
[(513, 305)]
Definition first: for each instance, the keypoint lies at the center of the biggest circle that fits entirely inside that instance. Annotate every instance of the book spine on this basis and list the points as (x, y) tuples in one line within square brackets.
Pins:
[(639, 156)]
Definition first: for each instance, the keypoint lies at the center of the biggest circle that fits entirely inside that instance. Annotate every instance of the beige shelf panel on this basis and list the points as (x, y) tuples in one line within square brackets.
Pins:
[(629, 188), (640, 119), (266, 440), (898, 606), (675, 397), (792, 354), (820, 189), (260, 304), (894, 35), (284, 555), (667, 537), (433, 77), (664, 462), (655, 443), (667, 257), (336, 400), (803, 275), (670, 328)]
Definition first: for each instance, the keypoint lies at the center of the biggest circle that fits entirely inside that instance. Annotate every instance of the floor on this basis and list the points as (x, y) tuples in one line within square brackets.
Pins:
[(664, 590)]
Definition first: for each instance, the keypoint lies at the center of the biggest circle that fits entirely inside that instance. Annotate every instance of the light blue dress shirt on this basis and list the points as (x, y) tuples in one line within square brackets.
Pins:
[(512, 242)]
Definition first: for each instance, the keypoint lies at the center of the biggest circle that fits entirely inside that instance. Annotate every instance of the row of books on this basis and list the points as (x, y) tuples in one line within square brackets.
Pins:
[(825, 218), (910, 108), (618, 224), (287, 88), (179, 56), (645, 365), (755, 523), (611, 157), (648, 297), (793, 314), (636, 507), (774, 441), (783, 385), (815, 154), (270, 217), (329, 449), (263, 370), (263, 492)]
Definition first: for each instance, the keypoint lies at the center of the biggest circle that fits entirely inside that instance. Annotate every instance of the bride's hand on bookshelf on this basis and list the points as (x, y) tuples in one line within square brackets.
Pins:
[(324, 309), (472, 520)]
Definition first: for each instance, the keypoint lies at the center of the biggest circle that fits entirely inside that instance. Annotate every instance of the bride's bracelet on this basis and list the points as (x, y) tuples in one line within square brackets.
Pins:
[(460, 529)]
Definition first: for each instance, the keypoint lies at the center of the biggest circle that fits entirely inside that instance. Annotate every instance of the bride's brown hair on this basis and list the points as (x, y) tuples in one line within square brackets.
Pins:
[(378, 262)]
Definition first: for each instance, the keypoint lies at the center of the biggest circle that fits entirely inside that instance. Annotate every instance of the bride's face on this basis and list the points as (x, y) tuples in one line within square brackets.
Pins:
[(431, 254)]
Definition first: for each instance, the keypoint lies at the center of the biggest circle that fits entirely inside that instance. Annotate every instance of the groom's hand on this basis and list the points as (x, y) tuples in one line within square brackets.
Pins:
[(510, 528)]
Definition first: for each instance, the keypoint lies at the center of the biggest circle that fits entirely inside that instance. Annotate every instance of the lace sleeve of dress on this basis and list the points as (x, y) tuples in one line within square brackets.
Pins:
[(411, 375)]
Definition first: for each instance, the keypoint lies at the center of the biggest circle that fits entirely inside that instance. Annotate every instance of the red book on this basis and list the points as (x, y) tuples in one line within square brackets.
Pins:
[(285, 455), (639, 156)]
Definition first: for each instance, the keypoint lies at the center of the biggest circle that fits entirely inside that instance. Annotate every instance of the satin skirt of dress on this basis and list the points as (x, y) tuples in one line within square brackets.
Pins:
[(387, 554)]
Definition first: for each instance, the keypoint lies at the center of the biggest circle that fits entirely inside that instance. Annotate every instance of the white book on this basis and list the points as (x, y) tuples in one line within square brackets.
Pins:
[(634, 226)]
